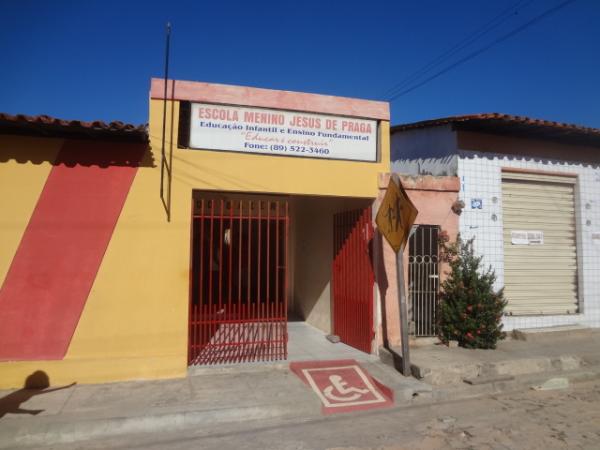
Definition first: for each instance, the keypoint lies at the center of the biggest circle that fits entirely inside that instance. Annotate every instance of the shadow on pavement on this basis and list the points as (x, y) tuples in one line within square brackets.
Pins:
[(35, 384)]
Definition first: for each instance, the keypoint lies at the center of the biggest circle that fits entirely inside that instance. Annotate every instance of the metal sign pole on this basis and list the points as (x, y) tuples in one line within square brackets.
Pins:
[(395, 218), (403, 312)]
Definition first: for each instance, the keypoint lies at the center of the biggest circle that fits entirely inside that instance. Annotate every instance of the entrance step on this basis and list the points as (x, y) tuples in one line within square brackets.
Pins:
[(404, 388), (249, 367), (562, 349), (505, 384), (445, 374), (439, 365), (539, 334), (422, 341)]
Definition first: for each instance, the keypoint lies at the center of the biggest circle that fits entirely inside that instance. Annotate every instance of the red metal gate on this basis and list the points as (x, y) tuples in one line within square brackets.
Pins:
[(238, 298), (353, 278)]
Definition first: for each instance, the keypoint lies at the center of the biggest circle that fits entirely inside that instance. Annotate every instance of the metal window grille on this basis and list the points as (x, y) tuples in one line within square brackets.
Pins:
[(238, 298), (423, 273)]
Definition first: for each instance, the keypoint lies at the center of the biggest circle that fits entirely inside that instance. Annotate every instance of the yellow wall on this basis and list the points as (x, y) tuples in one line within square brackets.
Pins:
[(25, 163), (136, 313), (134, 324)]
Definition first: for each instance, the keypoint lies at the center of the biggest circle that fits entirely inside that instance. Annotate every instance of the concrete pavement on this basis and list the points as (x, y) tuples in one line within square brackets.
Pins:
[(529, 420), (246, 396), (563, 350), (214, 397)]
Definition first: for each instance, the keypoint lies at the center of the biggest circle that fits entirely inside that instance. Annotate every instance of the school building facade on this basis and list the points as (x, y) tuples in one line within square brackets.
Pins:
[(133, 253), (136, 252)]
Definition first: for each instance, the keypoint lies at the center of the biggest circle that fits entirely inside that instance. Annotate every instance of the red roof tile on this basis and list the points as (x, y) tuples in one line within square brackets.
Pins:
[(513, 125), (43, 125)]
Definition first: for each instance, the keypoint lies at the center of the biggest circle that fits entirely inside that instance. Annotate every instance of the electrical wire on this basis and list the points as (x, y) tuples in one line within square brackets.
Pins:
[(478, 52), (494, 23)]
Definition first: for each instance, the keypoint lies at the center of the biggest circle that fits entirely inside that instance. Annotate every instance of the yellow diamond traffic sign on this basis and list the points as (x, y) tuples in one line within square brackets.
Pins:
[(396, 214)]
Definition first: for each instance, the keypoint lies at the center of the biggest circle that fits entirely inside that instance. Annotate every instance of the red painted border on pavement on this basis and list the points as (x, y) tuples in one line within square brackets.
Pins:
[(54, 268), (363, 392)]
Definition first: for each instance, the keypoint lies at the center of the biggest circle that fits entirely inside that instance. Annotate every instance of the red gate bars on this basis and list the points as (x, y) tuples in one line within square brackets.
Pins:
[(238, 298), (353, 278)]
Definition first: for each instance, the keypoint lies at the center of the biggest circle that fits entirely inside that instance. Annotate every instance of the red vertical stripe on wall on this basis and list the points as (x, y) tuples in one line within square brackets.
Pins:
[(52, 272)]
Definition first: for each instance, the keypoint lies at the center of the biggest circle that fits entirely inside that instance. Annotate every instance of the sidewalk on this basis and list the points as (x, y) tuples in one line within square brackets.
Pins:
[(553, 352), (249, 396), (214, 396)]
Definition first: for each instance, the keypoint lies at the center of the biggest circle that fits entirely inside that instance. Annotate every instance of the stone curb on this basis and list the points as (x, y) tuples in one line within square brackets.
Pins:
[(518, 367), (55, 432), (62, 432), (558, 332), (463, 391)]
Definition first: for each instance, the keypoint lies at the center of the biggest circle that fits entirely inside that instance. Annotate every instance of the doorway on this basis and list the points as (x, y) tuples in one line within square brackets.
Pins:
[(353, 278), (258, 260), (423, 280), (239, 264)]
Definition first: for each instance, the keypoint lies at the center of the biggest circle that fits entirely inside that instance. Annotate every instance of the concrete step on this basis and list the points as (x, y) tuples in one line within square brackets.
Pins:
[(249, 367), (514, 384), (416, 342), (457, 373), (67, 429), (441, 366), (558, 332), (404, 388)]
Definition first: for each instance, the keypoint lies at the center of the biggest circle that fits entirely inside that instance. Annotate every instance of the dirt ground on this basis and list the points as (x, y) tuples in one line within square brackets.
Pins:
[(560, 419)]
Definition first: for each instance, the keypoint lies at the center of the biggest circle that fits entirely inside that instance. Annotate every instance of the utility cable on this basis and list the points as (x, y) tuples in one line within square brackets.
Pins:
[(478, 52), (468, 40)]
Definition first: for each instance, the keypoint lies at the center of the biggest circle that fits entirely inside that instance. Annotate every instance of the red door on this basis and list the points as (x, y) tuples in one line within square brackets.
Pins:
[(353, 278), (238, 289)]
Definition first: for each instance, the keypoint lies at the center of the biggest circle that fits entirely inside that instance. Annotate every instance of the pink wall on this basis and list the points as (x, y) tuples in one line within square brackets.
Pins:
[(195, 91), (433, 197)]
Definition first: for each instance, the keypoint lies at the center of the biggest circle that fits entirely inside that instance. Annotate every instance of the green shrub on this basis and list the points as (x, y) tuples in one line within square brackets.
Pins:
[(470, 310)]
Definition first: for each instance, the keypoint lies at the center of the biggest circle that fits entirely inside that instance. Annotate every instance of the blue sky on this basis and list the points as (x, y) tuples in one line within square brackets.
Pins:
[(93, 59)]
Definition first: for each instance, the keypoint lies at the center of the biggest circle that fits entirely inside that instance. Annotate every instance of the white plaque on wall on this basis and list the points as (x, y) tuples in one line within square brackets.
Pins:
[(526, 237), (285, 133)]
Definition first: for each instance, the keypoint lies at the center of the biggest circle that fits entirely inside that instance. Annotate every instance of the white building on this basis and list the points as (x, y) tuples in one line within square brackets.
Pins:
[(531, 193)]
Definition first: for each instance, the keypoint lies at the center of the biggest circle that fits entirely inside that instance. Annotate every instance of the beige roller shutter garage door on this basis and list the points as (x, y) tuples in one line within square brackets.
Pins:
[(540, 253)]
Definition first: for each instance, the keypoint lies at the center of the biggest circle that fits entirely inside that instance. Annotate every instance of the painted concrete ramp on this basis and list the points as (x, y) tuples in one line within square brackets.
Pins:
[(343, 385)]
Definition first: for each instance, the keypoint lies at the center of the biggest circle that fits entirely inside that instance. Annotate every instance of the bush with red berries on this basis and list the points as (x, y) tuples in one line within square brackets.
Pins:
[(470, 310)]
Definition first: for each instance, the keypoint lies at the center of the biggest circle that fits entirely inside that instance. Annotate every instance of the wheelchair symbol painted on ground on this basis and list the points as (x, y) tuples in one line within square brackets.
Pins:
[(346, 394), (343, 385)]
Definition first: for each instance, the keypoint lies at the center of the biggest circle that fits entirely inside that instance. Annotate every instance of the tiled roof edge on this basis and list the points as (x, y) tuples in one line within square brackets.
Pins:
[(53, 127), (508, 118)]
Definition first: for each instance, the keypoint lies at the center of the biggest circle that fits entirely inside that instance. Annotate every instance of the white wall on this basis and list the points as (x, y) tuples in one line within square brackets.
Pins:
[(480, 176)]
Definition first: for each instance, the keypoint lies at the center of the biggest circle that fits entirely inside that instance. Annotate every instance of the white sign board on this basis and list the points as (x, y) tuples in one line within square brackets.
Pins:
[(524, 237), (277, 132)]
